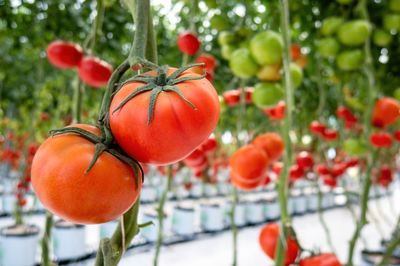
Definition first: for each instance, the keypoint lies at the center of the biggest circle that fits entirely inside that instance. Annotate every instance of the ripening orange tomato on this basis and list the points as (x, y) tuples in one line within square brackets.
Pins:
[(272, 143), (386, 112)]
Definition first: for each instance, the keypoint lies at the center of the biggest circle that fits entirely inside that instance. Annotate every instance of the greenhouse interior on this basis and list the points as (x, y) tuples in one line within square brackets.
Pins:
[(200, 132)]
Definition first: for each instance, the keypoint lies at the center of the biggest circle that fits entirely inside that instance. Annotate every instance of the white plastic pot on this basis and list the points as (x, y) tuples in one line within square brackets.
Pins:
[(240, 214), (271, 210), (148, 194), (312, 202), (18, 245), (197, 190), (183, 221), (69, 240), (181, 192), (8, 202), (210, 190), (299, 203), (211, 217), (255, 212), (8, 185), (223, 189), (150, 232), (327, 199), (291, 207), (107, 229)]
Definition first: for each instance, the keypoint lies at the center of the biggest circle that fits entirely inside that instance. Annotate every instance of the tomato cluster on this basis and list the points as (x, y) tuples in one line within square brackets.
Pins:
[(91, 70), (319, 129)]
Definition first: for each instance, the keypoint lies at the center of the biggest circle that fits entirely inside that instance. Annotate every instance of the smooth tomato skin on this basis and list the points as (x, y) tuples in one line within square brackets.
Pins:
[(64, 54), (354, 33), (381, 140), (305, 160), (231, 97), (295, 51), (188, 43), (245, 184), (343, 112), (268, 240), (242, 64), (210, 145), (270, 73), (266, 48), (272, 143), (94, 71), (176, 128), (386, 112), (329, 180), (397, 135), (249, 162), (322, 169), (209, 61), (317, 127), (296, 172), (330, 134), (58, 177), (277, 112), (350, 59), (195, 158), (325, 259), (267, 94)]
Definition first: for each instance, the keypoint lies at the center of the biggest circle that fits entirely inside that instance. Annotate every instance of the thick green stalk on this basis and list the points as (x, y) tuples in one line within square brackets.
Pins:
[(46, 261), (371, 95), (391, 247), (322, 220), (160, 216), (283, 182)]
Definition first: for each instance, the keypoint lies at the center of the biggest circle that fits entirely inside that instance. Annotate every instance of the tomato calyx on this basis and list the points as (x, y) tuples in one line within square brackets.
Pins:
[(162, 82), (102, 144)]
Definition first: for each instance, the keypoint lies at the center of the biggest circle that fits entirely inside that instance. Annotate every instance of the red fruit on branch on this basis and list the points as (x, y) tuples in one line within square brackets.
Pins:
[(338, 169), (344, 113), (296, 172), (195, 158), (243, 183), (330, 134), (249, 91), (322, 169), (44, 116), (352, 162), (295, 51), (317, 128), (397, 135), (272, 143), (386, 112), (305, 160), (277, 112), (64, 54), (210, 145), (209, 62), (268, 239), (277, 168), (385, 176), (381, 140), (325, 259), (231, 97), (188, 43), (329, 180), (94, 71)]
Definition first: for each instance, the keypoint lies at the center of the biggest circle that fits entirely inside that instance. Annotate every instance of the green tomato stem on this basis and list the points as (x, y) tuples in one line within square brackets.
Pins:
[(283, 182), (322, 219)]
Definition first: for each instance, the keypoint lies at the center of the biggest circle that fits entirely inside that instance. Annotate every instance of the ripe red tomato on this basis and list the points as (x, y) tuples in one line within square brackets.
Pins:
[(209, 62), (317, 127), (248, 95), (385, 176), (243, 183), (249, 162), (381, 139), (329, 180), (44, 116), (103, 194), (231, 97), (64, 54), (277, 167), (210, 145), (325, 259), (195, 158), (277, 112), (296, 172), (176, 128), (188, 43), (397, 135), (272, 143), (386, 112), (295, 51), (352, 162), (269, 237), (338, 169), (344, 112), (330, 134), (322, 169), (305, 160), (94, 72)]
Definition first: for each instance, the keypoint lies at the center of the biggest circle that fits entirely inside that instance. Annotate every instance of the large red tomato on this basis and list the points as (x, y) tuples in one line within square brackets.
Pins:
[(245, 184), (64, 54), (176, 128), (58, 177), (269, 237), (271, 143), (188, 43), (386, 112), (325, 259), (249, 162), (94, 72)]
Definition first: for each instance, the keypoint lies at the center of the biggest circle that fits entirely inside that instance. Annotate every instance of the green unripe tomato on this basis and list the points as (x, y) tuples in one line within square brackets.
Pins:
[(394, 5), (227, 50), (354, 147), (242, 64), (267, 94), (226, 37), (266, 47), (330, 25), (354, 33), (296, 73), (328, 47), (243, 32), (350, 60), (211, 3), (391, 22), (382, 38), (396, 94), (220, 22)]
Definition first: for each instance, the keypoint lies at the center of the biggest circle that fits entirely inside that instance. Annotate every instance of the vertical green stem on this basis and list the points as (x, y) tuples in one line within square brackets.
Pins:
[(160, 215), (371, 94), (45, 241), (283, 182), (391, 247), (322, 219)]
